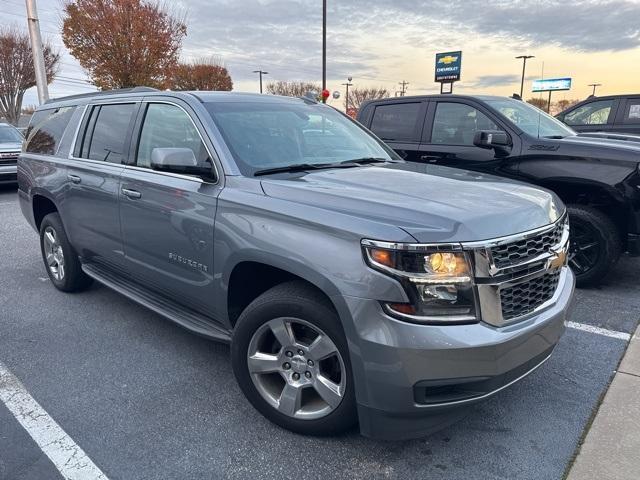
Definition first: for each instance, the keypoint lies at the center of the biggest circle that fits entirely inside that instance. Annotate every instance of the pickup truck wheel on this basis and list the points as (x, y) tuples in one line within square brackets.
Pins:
[(60, 259), (594, 244), (290, 358)]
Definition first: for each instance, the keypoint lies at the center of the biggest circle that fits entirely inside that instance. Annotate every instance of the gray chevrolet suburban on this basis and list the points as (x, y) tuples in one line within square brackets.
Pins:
[(352, 286)]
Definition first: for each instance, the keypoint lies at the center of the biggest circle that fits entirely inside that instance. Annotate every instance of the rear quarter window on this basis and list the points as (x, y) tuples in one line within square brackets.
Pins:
[(46, 129), (396, 121)]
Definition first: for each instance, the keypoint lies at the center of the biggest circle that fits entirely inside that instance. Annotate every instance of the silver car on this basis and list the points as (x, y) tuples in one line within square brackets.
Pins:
[(353, 287), (10, 145)]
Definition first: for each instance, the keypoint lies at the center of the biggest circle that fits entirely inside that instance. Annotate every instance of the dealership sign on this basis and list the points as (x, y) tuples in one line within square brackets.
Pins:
[(551, 85), (448, 67)]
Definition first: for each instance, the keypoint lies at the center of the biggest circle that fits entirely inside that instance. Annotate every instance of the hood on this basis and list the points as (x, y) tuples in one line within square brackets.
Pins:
[(10, 147), (432, 203), (619, 147)]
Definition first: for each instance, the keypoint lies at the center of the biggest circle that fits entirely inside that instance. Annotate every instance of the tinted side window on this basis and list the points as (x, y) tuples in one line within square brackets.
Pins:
[(46, 129), (594, 113), (632, 112), (168, 126), (457, 124), (396, 121), (106, 132)]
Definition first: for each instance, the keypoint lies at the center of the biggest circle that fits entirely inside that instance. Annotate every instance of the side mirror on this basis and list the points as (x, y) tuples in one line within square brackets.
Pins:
[(177, 160), (491, 139)]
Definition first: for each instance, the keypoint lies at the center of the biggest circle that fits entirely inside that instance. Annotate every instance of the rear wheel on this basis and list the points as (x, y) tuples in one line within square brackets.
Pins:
[(60, 259), (595, 244), (291, 360)]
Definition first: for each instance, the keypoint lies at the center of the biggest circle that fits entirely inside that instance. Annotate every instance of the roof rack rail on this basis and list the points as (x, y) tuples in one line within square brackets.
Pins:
[(101, 93)]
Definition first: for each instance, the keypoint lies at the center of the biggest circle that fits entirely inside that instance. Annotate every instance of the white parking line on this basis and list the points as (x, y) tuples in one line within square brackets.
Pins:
[(66, 455), (599, 331)]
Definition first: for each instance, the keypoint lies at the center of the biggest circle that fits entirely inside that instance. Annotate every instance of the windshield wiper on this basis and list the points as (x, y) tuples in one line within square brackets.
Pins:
[(366, 161), (296, 167), (301, 167)]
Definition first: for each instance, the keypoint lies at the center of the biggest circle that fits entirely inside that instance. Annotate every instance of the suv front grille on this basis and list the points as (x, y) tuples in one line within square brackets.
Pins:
[(525, 297), (520, 251), (9, 158)]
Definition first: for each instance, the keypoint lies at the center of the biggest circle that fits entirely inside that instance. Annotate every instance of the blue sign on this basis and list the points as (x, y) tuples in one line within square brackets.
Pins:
[(551, 85), (448, 67)]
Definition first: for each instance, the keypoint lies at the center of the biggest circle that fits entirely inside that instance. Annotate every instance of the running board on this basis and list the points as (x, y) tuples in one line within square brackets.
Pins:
[(183, 316)]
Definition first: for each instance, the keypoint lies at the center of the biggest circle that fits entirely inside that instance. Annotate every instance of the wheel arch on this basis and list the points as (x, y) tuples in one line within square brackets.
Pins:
[(601, 196), (41, 206)]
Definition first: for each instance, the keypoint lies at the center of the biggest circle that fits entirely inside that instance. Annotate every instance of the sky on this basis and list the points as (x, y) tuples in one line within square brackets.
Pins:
[(381, 43)]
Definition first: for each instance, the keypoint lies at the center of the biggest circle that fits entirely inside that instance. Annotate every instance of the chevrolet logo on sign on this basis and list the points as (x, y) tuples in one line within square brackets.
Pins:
[(448, 59)]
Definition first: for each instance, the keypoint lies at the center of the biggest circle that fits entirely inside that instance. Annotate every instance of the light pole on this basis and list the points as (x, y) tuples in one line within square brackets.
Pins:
[(261, 73), (404, 87), (36, 48), (594, 85), (324, 48), (346, 97), (524, 66)]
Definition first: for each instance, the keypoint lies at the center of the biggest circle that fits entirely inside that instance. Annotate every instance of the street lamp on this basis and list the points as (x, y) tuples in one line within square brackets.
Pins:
[(524, 66), (346, 98), (261, 73), (594, 85), (324, 47)]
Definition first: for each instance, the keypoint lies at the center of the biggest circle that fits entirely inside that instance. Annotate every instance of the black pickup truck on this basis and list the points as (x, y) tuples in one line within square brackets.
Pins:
[(597, 175)]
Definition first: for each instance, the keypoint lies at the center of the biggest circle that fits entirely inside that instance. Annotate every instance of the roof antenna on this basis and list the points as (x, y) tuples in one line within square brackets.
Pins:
[(516, 96)]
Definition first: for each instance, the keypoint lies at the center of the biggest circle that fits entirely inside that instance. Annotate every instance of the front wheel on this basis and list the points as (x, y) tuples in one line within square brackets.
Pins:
[(595, 244), (290, 359)]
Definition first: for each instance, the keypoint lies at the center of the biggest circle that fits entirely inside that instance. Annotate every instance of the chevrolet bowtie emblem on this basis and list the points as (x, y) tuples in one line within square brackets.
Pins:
[(448, 59), (558, 261)]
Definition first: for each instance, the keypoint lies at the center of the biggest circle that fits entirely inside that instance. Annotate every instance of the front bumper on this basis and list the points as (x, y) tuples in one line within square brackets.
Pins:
[(412, 380)]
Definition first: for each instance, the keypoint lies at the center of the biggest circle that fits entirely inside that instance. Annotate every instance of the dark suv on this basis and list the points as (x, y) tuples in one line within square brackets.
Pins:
[(619, 114), (352, 286), (598, 178)]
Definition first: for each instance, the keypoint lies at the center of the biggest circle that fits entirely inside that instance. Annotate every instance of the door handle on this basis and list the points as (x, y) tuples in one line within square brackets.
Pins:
[(429, 158), (74, 178), (131, 193)]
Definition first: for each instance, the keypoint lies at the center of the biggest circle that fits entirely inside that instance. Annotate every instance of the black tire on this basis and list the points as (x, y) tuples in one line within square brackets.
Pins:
[(73, 278), (595, 244), (300, 301)]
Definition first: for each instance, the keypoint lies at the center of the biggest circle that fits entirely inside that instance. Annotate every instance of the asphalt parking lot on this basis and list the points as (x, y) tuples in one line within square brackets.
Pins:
[(145, 399)]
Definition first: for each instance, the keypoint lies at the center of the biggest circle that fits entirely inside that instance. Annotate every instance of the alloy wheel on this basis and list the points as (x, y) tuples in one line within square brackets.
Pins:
[(584, 249), (53, 253), (296, 368)]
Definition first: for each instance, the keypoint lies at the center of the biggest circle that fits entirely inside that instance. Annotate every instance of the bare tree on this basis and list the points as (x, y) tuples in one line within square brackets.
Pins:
[(292, 89), (565, 103), (541, 103), (358, 95), (17, 73), (202, 74), (123, 43)]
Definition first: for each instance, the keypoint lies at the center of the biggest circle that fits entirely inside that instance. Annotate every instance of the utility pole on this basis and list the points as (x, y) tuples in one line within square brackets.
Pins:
[(594, 85), (346, 97), (324, 48), (524, 67), (404, 87), (261, 73), (36, 49)]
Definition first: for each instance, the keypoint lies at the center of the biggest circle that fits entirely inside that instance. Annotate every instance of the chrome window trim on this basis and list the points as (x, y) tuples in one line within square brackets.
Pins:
[(151, 100), (75, 135), (168, 174)]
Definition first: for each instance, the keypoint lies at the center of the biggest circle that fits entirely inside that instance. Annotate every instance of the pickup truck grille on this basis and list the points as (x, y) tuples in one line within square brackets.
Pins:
[(8, 158), (520, 251), (525, 297)]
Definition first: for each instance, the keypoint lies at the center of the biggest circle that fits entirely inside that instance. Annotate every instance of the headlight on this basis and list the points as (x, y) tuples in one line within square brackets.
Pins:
[(437, 280)]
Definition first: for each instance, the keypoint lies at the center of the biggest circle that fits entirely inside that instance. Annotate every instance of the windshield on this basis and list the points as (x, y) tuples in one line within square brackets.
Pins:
[(530, 119), (9, 135), (278, 134)]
